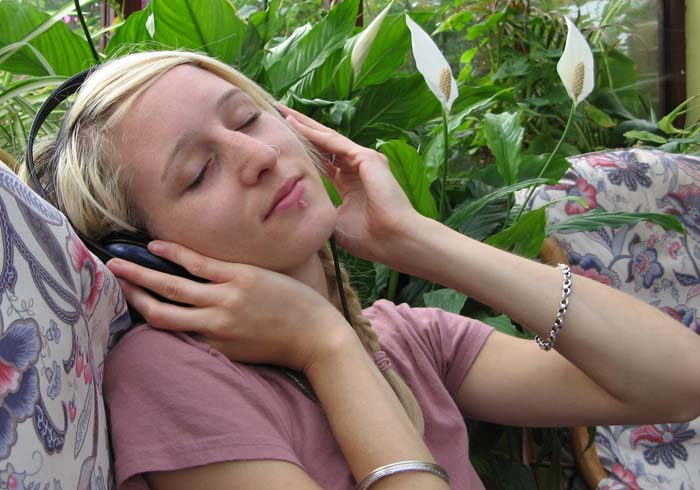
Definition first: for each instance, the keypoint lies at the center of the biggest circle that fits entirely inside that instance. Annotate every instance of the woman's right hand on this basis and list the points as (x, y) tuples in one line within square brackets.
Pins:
[(248, 313)]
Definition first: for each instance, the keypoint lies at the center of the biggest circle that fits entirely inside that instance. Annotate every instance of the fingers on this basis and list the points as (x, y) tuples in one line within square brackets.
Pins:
[(345, 153), (161, 315), (172, 288), (302, 118), (196, 264)]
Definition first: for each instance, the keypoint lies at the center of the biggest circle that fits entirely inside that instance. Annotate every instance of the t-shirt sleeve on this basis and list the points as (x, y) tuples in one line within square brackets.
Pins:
[(173, 405), (449, 343)]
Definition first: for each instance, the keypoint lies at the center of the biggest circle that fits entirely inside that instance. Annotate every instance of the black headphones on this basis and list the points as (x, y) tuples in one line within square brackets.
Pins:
[(124, 245)]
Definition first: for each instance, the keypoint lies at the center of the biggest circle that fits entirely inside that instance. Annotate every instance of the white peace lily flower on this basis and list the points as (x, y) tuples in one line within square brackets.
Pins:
[(575, 66), (365, 40), (432, 65), (150, 25)]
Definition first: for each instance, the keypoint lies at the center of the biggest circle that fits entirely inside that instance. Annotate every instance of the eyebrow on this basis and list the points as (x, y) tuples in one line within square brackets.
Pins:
[(184, 139)]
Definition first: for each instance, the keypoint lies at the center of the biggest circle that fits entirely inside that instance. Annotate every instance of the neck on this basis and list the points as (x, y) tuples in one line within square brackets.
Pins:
[(310, 273)]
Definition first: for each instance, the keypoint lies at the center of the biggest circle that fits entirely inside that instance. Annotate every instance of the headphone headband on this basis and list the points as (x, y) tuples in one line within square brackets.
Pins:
[(61, 93)]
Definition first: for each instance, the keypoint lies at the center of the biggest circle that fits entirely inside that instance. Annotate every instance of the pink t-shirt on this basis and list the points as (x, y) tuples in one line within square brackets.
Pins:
[(175, 402)]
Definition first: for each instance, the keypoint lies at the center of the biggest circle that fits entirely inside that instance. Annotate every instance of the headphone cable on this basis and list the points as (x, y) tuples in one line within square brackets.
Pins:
[(95, 54)]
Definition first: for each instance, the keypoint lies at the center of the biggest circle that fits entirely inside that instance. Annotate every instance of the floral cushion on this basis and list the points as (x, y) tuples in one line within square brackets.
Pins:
[(60, 308), (660, 267)]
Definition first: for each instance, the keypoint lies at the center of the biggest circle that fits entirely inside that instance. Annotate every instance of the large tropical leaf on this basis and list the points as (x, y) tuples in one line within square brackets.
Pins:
[(35, 43), (28, 85), (133, 34), (308, 49), (524, 237), (407, 166), (329, 81), (387, 53), (402, 102), (467, 209), (597, 218), (445, 299), (504, 135), (210, 26)]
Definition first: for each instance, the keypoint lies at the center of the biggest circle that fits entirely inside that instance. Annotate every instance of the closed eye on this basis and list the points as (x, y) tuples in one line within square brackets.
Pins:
[(250, 121), (200, 177)]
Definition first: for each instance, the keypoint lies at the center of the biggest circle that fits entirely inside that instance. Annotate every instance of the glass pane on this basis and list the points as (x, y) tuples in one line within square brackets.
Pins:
[(633, 23)]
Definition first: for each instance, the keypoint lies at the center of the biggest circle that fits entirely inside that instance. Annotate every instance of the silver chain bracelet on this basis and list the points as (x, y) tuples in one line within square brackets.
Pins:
[(548, 343)]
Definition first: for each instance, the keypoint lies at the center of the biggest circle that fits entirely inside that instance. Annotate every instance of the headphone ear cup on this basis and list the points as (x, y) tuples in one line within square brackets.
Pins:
[(135, 249)]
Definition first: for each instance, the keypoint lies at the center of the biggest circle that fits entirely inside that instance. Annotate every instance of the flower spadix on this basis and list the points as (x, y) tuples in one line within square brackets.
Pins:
[(575, 66), (365, 40), (432, 65)]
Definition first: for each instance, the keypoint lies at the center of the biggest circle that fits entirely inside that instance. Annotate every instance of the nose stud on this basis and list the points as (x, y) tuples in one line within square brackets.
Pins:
[(276, 148)]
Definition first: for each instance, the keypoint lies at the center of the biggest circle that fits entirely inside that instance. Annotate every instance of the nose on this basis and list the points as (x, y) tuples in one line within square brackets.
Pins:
[(256, 159)]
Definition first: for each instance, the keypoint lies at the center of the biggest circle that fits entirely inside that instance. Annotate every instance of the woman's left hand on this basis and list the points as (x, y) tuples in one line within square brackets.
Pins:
[(376, 214)]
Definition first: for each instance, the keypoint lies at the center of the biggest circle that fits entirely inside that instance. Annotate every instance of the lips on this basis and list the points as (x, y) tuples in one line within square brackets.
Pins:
[(283, 197)]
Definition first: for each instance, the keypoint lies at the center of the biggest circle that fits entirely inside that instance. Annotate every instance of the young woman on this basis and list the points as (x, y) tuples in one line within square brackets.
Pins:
[(187, 150)]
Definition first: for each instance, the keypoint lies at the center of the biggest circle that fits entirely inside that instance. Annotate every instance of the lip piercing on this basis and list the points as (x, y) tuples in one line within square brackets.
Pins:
[(276, 148)]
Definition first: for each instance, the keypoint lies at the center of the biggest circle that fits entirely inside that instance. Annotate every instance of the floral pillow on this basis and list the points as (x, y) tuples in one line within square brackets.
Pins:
[(60, 308), (660, 267)]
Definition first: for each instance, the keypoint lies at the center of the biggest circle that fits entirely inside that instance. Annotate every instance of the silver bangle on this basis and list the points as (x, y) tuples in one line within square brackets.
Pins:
[(400, 467), (548, 343)]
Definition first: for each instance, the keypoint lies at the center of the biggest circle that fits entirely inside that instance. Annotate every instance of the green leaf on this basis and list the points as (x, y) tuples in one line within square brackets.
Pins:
[(403, 102), (645, 136), (307, 50), (525, 236), (268, 22), (331, 80), (531, 165), (666, 123), (599, 117), (336, 111), (597, 218), (332, 193), (504, 136), (407, 166), (387, 53), (513, 67), (456, 22), (486, 222), (467, 209), (28, 85), (251, 52), (34, 43), (211, 26), (468, 55), (132, 34), (502, 323), (445, 299), (478, 30)]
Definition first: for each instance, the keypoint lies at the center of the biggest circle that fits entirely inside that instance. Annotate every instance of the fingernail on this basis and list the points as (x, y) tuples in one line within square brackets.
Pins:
[(115, 265), (156, 247)]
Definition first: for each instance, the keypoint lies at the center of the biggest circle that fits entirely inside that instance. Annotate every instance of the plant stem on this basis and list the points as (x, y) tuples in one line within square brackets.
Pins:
[(549, 160), (613, 9), (443, 188), (393, 283)]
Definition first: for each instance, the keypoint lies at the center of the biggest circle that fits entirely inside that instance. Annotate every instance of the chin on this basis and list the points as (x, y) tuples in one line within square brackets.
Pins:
[(310, 237)]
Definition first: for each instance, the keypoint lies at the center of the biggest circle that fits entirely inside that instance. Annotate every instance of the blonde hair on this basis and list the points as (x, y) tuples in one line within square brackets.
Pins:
[(80, 172)]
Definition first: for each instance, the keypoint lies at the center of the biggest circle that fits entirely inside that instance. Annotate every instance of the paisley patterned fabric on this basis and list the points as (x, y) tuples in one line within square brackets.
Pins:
[(660, 267), (60, 308)]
